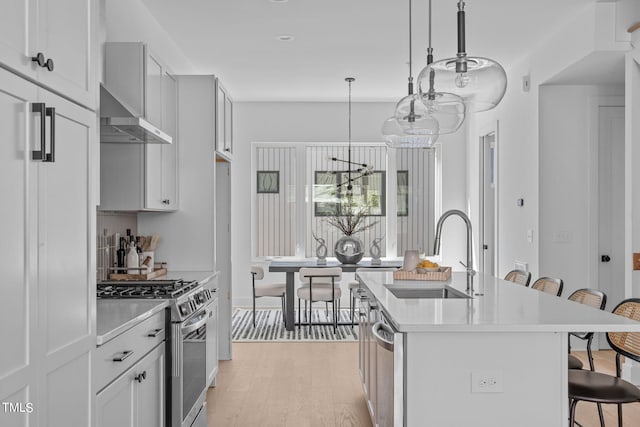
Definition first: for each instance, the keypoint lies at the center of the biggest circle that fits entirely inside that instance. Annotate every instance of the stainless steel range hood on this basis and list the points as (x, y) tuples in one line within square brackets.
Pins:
[(119, 125), (131, 130)]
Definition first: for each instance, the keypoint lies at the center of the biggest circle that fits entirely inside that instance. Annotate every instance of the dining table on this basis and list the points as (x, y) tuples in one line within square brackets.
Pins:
[(290, 267)]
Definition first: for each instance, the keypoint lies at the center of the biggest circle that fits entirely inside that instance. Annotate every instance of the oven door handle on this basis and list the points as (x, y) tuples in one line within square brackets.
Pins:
[(193, 326)]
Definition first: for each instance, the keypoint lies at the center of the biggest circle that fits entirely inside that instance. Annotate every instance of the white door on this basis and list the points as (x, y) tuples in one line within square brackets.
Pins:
[(223, 257), (66, 251), (611, 204), (487, 248), (17, 292)]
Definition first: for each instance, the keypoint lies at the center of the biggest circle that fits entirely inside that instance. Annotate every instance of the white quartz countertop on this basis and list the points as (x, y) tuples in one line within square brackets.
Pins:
[(114, 316), (503, 307)]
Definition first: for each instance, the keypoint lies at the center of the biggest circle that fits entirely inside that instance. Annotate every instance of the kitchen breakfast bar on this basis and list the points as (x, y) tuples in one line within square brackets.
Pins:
[(497, 357)]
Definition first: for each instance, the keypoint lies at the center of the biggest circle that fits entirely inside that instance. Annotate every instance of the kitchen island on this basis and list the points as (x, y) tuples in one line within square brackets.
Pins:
[(495, 358)]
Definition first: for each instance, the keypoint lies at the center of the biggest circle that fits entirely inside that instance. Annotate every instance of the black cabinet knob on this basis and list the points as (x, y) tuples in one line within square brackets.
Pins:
[(140, 377), (605, 258), (48, 65), (39, 59)]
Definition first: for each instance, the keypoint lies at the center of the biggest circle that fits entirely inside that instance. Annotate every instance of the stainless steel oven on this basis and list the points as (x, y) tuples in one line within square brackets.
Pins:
[(189, 373)]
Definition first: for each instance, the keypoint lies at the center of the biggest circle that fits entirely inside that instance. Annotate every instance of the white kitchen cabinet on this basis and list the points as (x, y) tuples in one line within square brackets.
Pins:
[(140, 177), (137, 397), (60, 31), (48, 223), (224, 121)]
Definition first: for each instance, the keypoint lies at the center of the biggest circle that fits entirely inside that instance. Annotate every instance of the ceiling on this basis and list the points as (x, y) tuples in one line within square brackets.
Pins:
[(366, 39)]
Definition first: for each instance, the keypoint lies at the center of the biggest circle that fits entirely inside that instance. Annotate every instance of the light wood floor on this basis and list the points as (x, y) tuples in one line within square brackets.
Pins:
[(290, 384)]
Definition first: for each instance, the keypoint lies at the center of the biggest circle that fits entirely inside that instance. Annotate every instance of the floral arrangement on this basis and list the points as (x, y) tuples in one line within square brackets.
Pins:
[(351, 218)]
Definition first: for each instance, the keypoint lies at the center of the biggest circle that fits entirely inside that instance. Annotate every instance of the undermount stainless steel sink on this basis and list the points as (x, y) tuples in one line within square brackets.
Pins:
[(433, 293)]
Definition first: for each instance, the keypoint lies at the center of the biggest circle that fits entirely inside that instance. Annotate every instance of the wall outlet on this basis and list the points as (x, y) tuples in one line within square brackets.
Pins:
[(486, 382), (521, 265)]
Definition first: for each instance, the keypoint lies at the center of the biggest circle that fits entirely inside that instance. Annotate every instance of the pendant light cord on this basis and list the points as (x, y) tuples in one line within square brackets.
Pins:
[(349, 186), (429, 49), (410, 55)]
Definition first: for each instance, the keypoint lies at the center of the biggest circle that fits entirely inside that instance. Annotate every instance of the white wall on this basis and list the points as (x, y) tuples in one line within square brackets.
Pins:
[(130, 21), (320, 122), (519, 166)]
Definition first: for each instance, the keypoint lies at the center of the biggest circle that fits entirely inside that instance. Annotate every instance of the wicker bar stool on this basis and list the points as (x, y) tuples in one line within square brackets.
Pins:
[(518, 276), (596, 299), (549, 285), (597, 387)]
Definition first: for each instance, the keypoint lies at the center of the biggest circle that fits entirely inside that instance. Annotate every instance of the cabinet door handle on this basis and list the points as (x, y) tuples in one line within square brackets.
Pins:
[(123, 356), (154, 333), (38, 107), (51, 157), (140, 377)]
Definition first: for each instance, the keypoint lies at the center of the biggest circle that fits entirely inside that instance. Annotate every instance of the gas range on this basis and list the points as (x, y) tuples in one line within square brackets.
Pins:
[(186, 297)]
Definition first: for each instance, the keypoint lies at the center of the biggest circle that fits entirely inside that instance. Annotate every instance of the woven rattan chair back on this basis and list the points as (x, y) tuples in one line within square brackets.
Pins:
[(549, 285), (627, 343), (518, 276), (592, 297)]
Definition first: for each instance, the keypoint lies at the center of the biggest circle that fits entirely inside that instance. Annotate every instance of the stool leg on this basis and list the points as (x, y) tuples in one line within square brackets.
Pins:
[(619, 415), (254, 312), (572, 412)]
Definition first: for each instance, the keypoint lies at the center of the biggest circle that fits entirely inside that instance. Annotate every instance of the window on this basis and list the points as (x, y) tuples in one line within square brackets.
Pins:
[(399, 194), (329, 190)]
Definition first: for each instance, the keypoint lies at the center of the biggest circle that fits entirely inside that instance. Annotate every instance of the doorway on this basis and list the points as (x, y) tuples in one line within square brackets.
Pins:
[(611, 202), (487, 235), (223, 255)]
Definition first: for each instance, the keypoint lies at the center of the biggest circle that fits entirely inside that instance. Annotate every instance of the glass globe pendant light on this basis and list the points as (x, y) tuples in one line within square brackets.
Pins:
[(481, 82), (447, 108), (411, 125)]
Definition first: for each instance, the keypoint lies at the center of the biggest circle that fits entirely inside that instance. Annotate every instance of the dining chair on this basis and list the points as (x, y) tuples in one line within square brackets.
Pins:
[(518, 276), (266, 290), (597, 387), (549, 285), (320, 284)]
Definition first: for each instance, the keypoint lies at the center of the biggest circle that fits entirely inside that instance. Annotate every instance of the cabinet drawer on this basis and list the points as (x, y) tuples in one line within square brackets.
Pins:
[(129, 347)]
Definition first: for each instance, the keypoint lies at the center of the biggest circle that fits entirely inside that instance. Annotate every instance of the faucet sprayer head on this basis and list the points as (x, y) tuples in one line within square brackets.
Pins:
[(436, 246)]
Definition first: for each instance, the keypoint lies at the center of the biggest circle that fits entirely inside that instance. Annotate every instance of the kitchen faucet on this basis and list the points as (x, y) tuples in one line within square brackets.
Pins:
[(436, 244)]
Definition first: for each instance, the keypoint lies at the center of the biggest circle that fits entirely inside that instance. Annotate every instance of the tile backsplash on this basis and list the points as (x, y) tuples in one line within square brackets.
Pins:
[(108, 224)]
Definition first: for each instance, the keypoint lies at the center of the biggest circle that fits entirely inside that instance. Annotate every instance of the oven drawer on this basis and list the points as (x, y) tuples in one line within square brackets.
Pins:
[(116, 356)]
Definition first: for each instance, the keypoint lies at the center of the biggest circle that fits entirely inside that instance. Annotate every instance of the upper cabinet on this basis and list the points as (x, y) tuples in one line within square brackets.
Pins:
[(52, 43), (224, 121), (135, 176)]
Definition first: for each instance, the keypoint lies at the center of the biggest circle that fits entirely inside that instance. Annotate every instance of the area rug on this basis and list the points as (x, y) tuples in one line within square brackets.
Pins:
[(270, 327)]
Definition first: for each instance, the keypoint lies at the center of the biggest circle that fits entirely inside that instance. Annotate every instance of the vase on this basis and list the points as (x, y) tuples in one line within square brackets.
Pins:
[(348, 250)]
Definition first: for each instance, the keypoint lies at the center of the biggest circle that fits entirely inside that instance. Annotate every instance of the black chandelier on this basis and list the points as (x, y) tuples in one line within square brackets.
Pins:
[(363, 169)]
